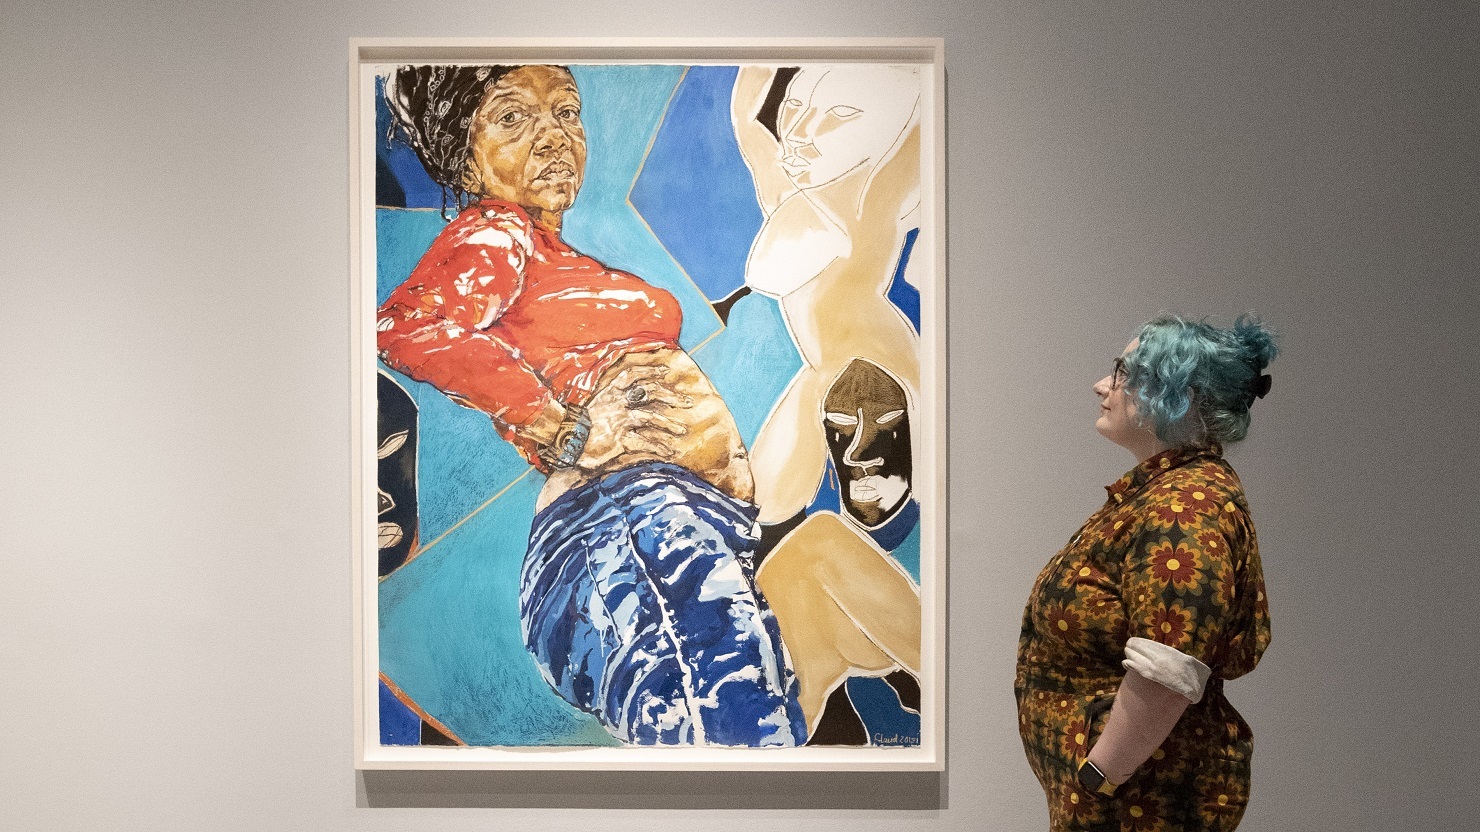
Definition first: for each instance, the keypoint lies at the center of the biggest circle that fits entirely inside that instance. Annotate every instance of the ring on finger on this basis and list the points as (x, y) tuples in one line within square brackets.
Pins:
[(637, 395)]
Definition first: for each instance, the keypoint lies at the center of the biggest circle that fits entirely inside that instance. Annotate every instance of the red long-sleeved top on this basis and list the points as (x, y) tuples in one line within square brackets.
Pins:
[(503, 316)]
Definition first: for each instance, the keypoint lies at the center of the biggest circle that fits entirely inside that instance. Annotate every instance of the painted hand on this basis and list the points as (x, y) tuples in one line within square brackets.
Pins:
[(639, 412)]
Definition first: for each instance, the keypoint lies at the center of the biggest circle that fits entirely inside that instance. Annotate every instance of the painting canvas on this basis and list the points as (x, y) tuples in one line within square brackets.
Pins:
[(649, 377)]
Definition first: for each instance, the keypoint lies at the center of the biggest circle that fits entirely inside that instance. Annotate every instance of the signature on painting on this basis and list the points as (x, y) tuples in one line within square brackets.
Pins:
[(896, 739)]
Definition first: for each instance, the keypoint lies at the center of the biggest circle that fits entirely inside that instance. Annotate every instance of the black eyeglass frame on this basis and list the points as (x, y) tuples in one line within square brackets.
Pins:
[(1119, 374)]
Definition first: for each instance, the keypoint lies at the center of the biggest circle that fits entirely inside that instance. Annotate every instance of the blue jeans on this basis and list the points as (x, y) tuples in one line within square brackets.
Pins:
[(638, 602)]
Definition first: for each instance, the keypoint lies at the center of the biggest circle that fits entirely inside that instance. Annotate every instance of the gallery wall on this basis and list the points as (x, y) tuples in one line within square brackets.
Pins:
[(175, 629)]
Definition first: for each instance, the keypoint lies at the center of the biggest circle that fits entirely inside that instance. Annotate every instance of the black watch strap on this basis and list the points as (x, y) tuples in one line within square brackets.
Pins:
[(1093, 780)]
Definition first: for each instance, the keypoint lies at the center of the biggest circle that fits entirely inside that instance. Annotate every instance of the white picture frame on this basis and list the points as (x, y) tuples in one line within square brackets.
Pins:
[(370, 58)]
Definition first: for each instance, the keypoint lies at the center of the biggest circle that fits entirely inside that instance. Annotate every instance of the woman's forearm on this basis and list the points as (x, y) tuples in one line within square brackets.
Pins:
[(543, 429), (471, 367), (1144, 714), (760, 150)]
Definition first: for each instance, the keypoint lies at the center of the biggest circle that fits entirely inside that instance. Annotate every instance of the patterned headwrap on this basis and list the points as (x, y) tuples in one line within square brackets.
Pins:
[(431, 108)]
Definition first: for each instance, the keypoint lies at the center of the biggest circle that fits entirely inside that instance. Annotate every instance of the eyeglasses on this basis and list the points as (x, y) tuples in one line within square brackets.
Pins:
[(1118, 374)]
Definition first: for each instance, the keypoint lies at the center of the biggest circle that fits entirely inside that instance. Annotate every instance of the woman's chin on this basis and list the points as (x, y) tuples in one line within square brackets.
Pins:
[(555, 198)]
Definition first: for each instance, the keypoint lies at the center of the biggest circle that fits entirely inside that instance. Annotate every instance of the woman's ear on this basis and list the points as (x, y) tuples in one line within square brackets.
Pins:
[(471, 182)]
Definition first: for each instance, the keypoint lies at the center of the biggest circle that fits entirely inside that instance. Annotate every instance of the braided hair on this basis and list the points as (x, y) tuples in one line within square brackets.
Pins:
[(431, 110)]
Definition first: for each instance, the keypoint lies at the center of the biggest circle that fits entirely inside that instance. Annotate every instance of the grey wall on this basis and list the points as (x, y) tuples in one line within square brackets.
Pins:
[(175, 624)]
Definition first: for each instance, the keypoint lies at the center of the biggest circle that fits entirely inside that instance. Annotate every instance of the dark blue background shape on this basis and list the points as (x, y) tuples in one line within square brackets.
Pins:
[(695, 190), (904, 296), (400, 179), (399, 725)]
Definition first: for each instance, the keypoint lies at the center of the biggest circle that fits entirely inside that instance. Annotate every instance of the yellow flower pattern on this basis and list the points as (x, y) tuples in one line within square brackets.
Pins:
[(1170, 557)]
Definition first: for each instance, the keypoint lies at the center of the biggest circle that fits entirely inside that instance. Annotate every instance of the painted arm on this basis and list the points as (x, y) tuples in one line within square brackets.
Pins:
[(760, 149), (442, 327)]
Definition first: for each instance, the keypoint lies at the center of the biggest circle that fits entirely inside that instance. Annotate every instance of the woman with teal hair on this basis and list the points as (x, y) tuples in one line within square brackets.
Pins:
[(1132, 628)]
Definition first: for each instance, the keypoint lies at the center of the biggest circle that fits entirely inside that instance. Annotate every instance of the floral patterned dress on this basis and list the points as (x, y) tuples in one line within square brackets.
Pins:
[(1170, 557)]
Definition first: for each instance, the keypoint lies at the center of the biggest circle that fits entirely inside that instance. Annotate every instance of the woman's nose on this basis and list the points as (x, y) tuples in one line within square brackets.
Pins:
[(863, 440), (1102, 387), (800, 132), (552, 137)]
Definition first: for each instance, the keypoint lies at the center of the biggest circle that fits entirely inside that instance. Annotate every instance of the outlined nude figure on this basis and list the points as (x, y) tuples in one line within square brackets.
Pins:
[(839, 187), (846, 608), (850, 612)]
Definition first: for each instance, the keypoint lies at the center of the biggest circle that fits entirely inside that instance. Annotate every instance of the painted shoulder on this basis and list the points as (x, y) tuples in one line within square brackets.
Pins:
[(493, 226)]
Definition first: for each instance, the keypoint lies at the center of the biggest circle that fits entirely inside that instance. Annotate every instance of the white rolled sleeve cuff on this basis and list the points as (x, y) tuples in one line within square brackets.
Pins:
[(1167, 666)]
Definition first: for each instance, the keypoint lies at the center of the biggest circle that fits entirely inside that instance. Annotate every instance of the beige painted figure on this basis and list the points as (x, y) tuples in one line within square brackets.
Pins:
[(853, 612), (845, 607), (839, 188)]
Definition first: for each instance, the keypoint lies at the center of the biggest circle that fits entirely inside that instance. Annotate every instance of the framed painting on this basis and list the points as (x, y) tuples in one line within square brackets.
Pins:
[(649, 389)]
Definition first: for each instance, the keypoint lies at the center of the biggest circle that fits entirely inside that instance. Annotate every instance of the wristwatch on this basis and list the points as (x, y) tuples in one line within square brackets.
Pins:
[(570, 439), (1092, 779)]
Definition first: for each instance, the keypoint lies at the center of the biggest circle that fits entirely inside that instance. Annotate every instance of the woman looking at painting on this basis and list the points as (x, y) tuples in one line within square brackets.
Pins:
[(1132, 629), (638, 597)]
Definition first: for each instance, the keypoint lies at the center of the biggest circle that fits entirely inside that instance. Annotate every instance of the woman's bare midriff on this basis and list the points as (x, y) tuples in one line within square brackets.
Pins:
[(658, 407)]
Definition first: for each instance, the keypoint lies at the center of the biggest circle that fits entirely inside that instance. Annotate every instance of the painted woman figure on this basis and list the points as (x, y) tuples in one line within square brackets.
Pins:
[(838, 182), (835, 155), (637, 594), (1133, 628)]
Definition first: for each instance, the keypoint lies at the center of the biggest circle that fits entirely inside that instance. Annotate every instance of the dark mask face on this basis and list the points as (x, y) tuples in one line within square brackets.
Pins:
[(867, 422)]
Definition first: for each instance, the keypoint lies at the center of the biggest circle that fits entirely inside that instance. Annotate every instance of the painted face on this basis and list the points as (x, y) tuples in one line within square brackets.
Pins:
[(527, 143), (1118, 420), (867, 422), (835, 120)]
